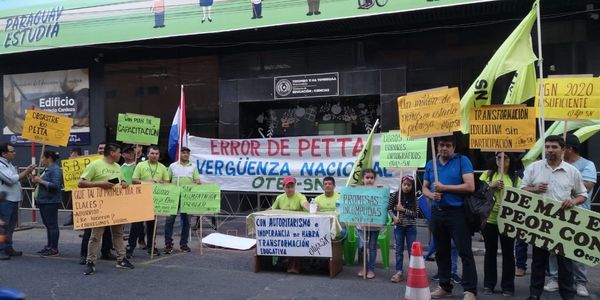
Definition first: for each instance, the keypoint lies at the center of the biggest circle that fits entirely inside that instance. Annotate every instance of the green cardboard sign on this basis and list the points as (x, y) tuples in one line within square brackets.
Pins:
[(364, 205), (397, 151), (166, 199), (572, 233), (138, 129), (201, 199)]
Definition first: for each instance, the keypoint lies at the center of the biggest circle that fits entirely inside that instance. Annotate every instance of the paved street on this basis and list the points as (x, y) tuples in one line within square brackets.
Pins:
[(217, 274)]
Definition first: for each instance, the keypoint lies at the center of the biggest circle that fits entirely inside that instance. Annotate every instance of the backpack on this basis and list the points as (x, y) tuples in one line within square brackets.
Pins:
[(478, 204)]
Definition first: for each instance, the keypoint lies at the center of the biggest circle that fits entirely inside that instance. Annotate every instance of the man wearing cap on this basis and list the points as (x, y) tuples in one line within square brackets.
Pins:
[(127, 169), (588, 174), (181, 172), (290, 200)]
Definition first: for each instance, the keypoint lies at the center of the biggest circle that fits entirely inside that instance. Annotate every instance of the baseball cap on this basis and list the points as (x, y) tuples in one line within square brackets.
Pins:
[(185, 149), (289, 179)]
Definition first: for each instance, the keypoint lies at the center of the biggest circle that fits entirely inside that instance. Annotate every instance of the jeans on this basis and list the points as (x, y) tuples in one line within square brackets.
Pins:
[(538, 273), (185, 229), (8, 213), (107, 243), (448, 224), (521, 254), (117, 238), (490, 271), (257, 10), (371, 244), (402, 233), (49, 214), (579, 270), (159, 19)]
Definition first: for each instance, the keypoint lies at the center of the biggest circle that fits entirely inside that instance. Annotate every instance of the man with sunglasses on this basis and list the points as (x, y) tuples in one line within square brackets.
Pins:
[(455, 179)]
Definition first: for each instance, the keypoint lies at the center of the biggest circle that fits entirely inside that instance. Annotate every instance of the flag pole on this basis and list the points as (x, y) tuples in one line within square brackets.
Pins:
[(180, 129), (541, 120)]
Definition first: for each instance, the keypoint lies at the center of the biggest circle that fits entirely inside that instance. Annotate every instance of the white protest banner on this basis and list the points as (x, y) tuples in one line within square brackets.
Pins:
[(259, 165), (293, 235)]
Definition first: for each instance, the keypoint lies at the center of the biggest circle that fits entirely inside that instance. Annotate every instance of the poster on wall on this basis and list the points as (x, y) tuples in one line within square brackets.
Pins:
[(63, 92)]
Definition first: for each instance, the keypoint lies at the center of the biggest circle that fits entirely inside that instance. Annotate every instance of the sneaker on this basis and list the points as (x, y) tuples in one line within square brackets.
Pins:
[(552, 286), (519, 272), (370, 275), (582, 290), (456, 279), (469, 296), (168, 248), (124, 264), (46, 248), (50, 253), (128, 252), (156, 253), (507, 294), (487, 291), (13, 252), (90, 268), (440, 293), (398, 277), (185, 248), (435, 277), (83, 260), (361, 273)]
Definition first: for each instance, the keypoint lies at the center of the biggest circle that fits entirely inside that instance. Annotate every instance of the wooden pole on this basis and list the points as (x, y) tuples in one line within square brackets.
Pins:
[(365, 252), (434, 160), (201, 233), (153, 238), (541, 120)]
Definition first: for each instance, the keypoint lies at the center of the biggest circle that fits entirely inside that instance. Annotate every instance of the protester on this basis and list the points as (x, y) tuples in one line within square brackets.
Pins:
[(403, 210), (74, 153), (372, 232), (10, 196), (555, 179), (107, 244), (102, 173), (140, 156), (290, 200), (328, 200), (502, 172), (181, 172), (588, 174), (127, 168), (455, 179), (150, 171), (48, 194)]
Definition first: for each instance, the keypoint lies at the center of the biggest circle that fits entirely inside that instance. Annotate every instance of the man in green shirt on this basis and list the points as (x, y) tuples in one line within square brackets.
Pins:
[(290, 200), (327, 200), (127, 169), (153, 172), (181, 172), (105, 173)]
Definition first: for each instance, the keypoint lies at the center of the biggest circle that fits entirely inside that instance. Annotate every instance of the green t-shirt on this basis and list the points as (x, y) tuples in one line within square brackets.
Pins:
[(145, 171), (127, 171), (493, 217), (326, 203), (99, 171), (293, 203)]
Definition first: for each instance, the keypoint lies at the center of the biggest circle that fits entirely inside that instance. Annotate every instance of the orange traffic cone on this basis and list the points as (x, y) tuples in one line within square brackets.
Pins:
[(417, 284)]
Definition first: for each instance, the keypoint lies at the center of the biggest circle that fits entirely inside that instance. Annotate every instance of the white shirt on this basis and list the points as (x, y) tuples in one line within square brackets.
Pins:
[(564, 182)]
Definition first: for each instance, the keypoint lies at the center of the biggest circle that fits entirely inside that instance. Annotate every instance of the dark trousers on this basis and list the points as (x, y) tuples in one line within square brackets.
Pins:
[(137, 230), (257, 10), (539, 264), (49, 214), (107, 243), (490, 271), (521, 254), (446, 225), (9, 212), (313, 6)]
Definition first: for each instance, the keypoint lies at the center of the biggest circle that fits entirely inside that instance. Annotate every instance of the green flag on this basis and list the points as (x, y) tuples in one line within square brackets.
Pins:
[(586, 132), (364, 159), (514, 54), (523, 86)]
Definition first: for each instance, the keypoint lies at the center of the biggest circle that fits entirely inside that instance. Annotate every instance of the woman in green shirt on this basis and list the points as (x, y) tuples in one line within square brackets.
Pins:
[(497, 178)]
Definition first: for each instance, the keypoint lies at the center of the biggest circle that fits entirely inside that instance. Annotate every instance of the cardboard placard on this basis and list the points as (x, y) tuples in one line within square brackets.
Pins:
[(570, 98), (47, 128), (166, 199), (364, 205), (429, 113), (293, 235), (572, 233), (502, 128), (138, 129), (73, 168), (96, 207), (397, 151), (201, 199)]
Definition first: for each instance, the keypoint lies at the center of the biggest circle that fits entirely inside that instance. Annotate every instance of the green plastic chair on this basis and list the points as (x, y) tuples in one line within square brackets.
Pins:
[(383, 240), (351, 245)]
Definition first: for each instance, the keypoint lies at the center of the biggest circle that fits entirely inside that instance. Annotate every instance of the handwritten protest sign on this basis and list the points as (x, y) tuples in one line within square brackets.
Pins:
[(201, 199), (138, 129), (401, 152), (288, 235), (429, 113), (72, 169), (502, 127), (364, 205), (96, 207), (166, 199), (47, 128), (570, 98), (572, 233)]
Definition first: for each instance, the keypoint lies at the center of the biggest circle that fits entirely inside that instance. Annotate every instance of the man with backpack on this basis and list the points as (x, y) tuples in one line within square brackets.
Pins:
[(455, 180)]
